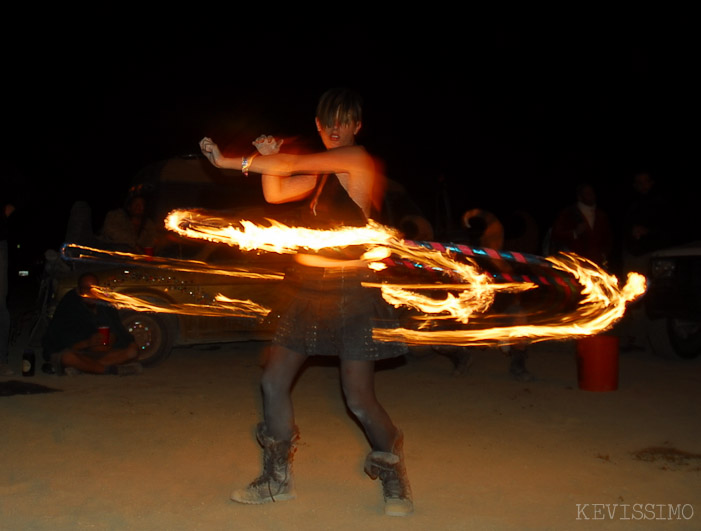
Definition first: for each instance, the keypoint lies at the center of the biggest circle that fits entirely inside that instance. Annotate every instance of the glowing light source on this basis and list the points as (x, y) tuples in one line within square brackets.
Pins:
[(470, 279)]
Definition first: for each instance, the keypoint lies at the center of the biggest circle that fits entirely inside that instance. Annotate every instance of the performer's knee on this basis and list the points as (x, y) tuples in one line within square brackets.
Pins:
[(272, 385), (359, 406)]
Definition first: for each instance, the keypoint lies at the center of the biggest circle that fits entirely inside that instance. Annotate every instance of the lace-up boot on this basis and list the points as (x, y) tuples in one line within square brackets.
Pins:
[(389, 467), (275, 483)]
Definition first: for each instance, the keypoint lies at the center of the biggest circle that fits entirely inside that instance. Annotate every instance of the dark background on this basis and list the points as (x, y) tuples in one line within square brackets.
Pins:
[(501, 114)]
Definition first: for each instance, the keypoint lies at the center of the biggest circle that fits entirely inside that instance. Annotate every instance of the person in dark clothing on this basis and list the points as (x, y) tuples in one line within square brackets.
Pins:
[(584, 228), (5, 369), (331, 313), (483, 229), (648, 223), (14, 200), (73, 342)]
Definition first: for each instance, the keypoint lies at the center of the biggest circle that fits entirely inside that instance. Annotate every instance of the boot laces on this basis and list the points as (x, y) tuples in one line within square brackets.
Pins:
[(392, 484), (275, 474)]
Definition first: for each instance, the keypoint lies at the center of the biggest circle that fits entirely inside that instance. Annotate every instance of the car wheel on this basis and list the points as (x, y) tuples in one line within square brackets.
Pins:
[(154, 333), (685, 337)]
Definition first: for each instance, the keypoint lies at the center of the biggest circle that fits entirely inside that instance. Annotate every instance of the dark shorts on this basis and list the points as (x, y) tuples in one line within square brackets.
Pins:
[(331, 314)]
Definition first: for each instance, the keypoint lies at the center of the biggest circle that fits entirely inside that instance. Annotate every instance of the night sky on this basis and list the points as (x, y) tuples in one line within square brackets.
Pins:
[(505, 115)]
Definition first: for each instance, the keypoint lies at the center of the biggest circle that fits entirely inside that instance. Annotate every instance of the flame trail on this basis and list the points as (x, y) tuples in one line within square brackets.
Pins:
[(75, 252), (437, 284), (225, 306), (602, 301)]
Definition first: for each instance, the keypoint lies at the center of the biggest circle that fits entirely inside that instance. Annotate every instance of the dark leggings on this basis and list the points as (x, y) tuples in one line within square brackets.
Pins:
[(357, 379)]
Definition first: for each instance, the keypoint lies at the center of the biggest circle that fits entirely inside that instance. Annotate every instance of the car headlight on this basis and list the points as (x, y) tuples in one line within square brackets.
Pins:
[(662, 268)]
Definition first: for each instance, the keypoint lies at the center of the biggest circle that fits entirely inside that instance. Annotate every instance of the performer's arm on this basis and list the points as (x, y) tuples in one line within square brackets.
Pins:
[(277, 189), (289, 177)]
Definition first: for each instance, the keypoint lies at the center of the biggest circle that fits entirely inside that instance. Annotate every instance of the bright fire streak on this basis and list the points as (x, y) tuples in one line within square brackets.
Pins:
[(603, 302), (278, 238), (190, 266), (602, 305), (477, 289), (459, 307), (226, 308)]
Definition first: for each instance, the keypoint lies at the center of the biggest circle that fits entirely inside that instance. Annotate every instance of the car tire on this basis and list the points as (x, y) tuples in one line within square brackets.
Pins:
[(674, 338), (155, 335), (685, 337)]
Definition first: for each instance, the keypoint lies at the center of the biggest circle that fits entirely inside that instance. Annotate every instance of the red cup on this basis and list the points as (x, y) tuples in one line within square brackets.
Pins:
[(105, 333)]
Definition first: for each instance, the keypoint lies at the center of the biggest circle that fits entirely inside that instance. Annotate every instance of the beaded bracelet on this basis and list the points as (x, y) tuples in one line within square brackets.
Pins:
[(246, 163)]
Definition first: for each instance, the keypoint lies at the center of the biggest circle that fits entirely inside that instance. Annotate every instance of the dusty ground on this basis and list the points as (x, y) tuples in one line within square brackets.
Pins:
[(162, 450)]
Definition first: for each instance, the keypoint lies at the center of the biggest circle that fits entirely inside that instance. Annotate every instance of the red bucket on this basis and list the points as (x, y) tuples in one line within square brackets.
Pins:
[(597, 363)]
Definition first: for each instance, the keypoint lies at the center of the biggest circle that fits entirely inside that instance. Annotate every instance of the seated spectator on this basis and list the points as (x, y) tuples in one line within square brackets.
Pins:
[(73, 342)]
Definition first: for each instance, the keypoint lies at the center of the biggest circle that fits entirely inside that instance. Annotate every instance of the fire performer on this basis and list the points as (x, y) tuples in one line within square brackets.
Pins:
[(330, 312)]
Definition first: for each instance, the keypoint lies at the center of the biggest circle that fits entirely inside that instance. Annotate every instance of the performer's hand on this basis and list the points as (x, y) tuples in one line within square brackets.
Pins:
[(210, 150), (267, 145)]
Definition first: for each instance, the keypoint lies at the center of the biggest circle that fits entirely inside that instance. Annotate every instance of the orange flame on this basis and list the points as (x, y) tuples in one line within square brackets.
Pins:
[(277, 237), (74, 251), (603, 302), (468, 296), (226, 307), (601, 306)]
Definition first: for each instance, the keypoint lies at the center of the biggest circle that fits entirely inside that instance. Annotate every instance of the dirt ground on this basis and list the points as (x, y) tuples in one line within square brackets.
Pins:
[(163, 449)]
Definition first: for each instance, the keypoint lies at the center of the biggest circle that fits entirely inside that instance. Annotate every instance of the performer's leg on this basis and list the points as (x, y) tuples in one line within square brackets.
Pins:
[(358, 380), (277, 434), (386, 461), (281, 368)]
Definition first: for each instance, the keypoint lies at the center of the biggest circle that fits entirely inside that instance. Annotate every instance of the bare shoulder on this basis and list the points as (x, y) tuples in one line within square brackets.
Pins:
[(354, 151)]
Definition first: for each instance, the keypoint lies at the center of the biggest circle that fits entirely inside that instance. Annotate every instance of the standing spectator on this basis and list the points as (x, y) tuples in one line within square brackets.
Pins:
[(13, 201), (5, 369), (584, 229), (647, 225), (483, 229)]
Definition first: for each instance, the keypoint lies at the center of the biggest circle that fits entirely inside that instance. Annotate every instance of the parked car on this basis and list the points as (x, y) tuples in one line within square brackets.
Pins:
[(188, 182), (673, 301), (157, 332)]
